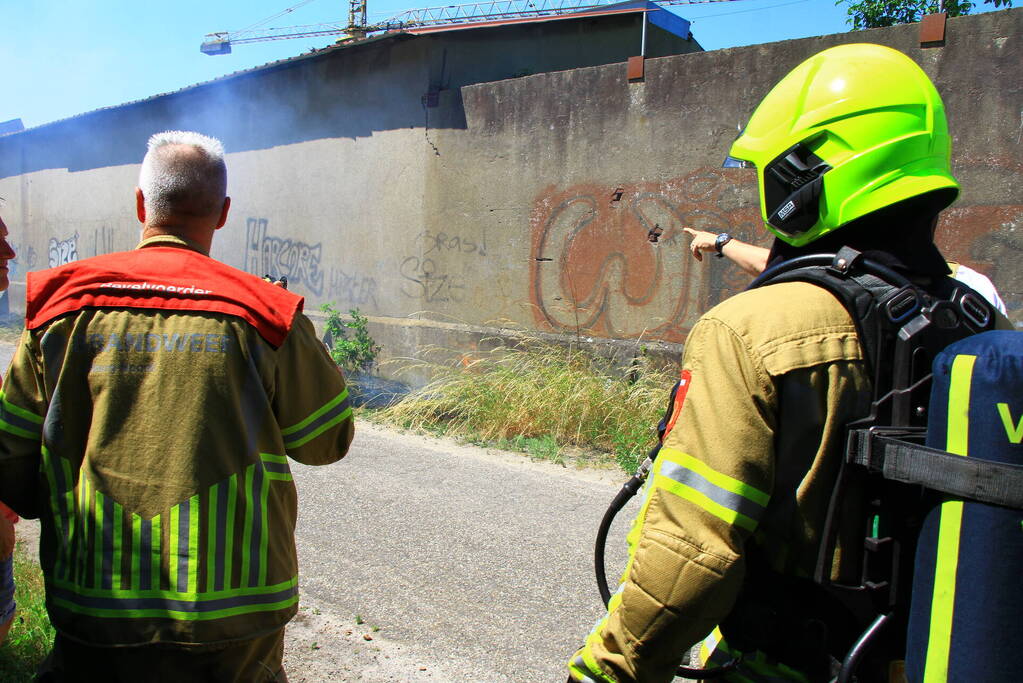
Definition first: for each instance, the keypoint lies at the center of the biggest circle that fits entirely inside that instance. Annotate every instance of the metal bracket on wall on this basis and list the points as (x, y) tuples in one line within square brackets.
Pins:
[(932, 30), (635, 68)]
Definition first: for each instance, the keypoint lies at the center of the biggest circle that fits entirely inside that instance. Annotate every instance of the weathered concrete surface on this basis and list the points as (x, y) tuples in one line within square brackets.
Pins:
[(517, 203)]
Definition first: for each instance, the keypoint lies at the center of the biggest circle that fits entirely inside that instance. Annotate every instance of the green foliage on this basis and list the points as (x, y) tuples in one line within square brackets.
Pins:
[(355, 353), (541, 398), (31, 634), (878, 13), (541, 448)]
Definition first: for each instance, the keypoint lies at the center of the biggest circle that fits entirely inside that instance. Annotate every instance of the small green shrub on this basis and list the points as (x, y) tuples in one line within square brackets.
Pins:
[(354, 353)]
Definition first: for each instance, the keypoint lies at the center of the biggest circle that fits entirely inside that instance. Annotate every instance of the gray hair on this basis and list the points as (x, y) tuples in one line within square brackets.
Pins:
[(183, 174)]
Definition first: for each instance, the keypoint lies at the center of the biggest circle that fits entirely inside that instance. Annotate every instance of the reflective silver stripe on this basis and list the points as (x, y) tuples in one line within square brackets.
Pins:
[(580, 664), (732, 501)]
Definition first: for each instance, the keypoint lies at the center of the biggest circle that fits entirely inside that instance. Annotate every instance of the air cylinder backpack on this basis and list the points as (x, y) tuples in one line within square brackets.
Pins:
[(940, 462)]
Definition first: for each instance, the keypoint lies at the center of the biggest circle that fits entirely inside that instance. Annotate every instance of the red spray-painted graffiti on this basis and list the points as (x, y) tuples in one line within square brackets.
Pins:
[(594, 270)]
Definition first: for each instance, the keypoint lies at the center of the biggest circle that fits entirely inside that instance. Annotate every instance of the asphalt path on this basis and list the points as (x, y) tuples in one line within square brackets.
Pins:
[(474, 564)]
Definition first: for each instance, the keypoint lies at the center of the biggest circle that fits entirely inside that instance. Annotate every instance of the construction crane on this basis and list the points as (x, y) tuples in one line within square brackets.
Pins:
[(220, 43), (357, 28)]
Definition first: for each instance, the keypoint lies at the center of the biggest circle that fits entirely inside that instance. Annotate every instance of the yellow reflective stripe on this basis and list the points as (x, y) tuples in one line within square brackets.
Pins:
[(717, 478), (118, 540), (136, 553), (230, 512), (247, 528), (211, 538), (958, 435), (728, 499), (18, 410), (96, 501), (193, 544), (584, 668), (171, 604), (156, 550), (333, 413), (60, 519), (264, 535), (172, 546), (18, 421), (81, 548), (309, 420), (950, 525)]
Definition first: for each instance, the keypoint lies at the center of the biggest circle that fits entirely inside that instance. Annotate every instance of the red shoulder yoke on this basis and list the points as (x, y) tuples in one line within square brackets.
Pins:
[(166, 278)]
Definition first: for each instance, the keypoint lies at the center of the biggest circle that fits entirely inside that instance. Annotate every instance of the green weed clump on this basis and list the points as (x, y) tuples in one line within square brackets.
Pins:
[(31, 634), (355, 353), (541, 397)]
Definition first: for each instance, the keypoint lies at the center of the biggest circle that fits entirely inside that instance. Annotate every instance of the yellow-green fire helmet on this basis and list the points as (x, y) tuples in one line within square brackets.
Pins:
[(851, 130)]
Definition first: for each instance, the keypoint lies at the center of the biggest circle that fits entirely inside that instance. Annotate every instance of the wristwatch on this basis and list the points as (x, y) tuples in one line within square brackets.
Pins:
[(720, 242)]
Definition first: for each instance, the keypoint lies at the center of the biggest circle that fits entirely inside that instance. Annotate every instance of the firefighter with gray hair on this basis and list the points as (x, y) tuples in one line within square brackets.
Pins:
[(149, 418)]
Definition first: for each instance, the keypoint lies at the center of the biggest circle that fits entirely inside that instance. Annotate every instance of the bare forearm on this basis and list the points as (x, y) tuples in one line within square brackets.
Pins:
[(749, 257)]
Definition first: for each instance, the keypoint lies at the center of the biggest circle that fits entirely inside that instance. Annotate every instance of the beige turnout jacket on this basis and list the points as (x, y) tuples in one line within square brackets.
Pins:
[(770, 379)]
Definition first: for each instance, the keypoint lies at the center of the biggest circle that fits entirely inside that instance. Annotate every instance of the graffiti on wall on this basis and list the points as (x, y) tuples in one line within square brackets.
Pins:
[(63, 251), (595, 269), (352, 288), (277, 256), (443, 243), (425, 281)]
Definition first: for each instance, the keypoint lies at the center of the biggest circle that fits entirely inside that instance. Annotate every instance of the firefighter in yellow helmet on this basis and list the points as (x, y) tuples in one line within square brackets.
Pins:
[(851, 148)]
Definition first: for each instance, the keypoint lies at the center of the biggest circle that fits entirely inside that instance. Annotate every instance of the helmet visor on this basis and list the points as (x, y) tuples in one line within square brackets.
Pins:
[(732, 162)]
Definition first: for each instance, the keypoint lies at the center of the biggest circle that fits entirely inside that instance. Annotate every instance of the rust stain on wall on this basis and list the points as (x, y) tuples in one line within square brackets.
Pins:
[(593, 270)]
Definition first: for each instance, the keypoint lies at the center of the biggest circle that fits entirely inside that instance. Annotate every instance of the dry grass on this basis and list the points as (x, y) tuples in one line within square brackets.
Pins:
[(10, 329), (542, 397)]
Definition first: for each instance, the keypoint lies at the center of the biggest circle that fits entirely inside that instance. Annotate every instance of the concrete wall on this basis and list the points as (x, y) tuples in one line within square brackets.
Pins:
[(521, 203)]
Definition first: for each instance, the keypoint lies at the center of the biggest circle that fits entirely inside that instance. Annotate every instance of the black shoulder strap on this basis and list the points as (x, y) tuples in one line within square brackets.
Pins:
[(878, 298)]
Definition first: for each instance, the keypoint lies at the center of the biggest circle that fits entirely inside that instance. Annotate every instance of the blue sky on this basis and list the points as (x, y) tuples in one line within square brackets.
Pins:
[(60, 58)]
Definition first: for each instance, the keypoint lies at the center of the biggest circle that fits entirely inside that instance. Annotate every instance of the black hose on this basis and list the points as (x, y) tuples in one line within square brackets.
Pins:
[(628, 490), (852, 659)]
